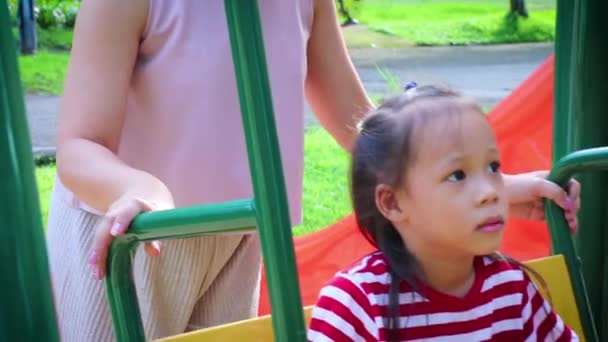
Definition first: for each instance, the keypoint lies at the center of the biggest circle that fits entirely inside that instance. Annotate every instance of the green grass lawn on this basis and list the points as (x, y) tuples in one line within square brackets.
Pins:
[(55, 40), (325, 198), (442, 22), (326, 195), (43, 72), (45, 177)]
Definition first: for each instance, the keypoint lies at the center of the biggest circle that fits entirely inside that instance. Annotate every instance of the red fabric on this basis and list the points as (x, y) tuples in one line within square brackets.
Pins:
[(523, 125)]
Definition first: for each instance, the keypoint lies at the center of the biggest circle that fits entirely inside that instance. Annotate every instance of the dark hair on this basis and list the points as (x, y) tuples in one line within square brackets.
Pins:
[(382, 152)]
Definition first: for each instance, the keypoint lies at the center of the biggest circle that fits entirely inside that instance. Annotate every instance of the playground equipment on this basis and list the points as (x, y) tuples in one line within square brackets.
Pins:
[(27, 309)]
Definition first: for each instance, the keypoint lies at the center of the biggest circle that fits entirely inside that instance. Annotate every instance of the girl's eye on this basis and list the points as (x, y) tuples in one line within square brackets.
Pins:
[(457, 176), (494, 167)]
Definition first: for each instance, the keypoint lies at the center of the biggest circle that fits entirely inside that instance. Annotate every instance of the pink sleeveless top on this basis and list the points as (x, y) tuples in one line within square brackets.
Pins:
[(183, 120)]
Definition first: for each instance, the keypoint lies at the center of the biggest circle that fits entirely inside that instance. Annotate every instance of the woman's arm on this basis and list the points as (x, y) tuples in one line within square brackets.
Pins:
[(105, 47), (333, 87), (106, 41)]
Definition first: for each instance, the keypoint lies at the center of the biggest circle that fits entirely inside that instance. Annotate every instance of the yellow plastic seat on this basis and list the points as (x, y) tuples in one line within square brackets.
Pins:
[(256, 329), (554, 272)]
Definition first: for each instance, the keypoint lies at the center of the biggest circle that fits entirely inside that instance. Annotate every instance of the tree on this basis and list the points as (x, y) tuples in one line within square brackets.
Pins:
[(518, 7)]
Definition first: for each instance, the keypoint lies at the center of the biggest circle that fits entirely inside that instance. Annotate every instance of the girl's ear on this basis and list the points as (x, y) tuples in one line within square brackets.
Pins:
[(388, 204)]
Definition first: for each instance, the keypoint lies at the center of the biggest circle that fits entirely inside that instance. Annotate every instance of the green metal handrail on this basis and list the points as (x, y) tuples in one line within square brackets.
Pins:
[(229, 217), (268, 210), (593, 159)]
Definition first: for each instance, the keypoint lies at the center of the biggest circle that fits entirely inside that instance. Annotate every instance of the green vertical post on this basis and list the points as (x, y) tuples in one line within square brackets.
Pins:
[(27, 312), (588, 160), (266, 168), (580, 122)]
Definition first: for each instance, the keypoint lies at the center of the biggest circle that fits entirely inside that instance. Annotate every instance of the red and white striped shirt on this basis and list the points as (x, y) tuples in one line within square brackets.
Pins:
[(502, 305)]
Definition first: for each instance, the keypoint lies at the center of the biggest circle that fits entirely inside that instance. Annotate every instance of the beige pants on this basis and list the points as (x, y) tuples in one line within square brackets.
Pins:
[(195, 283)]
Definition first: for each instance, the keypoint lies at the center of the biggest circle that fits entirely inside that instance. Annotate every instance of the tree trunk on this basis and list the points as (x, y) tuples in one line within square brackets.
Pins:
[(518, 7), (27, 27), (349, 20)]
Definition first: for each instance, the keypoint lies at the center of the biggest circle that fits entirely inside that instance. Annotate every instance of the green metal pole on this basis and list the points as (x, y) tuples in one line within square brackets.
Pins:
[(266, 168), (27, 312), (580, 122), (566, 43)]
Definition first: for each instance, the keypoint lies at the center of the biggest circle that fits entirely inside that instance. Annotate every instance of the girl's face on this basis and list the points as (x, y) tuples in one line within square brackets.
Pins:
[(452, 201)]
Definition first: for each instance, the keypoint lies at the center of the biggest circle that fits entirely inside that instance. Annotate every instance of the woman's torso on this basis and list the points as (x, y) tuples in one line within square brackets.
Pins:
[(183, 120)]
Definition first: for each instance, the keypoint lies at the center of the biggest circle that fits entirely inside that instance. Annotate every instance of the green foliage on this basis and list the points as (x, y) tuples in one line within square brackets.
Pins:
[(51, 14)]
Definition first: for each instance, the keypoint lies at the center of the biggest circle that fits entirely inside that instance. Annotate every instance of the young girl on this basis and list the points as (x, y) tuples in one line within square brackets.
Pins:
[(428, 193)]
